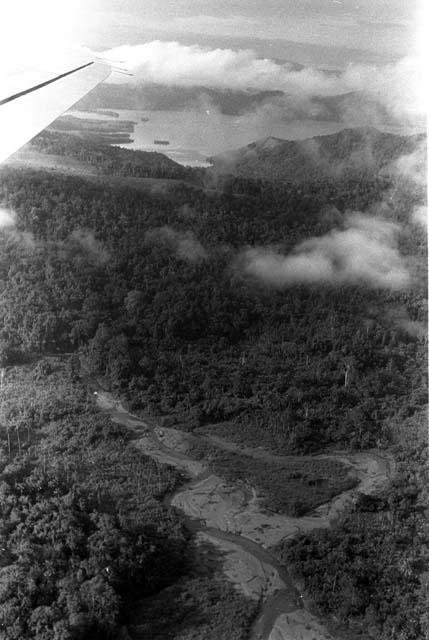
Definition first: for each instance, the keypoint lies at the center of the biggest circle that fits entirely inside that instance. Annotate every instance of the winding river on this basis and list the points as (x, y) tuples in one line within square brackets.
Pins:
[(231, 518)]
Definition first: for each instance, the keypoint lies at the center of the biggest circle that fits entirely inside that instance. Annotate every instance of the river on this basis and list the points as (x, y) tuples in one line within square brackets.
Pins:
[(249, 564)]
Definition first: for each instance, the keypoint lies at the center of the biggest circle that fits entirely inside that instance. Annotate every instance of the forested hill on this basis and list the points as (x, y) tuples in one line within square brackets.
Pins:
[(350, 150), (163, 290), (354, 106), (107, 159)]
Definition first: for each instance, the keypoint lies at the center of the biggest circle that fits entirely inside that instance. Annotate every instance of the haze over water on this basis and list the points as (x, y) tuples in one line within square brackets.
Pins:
[(194, 135)]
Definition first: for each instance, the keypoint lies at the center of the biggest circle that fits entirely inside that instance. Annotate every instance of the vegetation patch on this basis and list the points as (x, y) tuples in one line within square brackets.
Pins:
[(248, 434), (196, 608), (293, 488)]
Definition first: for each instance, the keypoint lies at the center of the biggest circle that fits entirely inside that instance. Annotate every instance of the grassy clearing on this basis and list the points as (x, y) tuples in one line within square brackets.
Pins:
[(293, 488)]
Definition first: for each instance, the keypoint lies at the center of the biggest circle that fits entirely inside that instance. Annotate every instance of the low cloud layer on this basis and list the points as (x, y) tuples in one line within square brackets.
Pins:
[(85, 240), (400, 318), (364, 252), (420, 216), (184, 243), (8, 228), (7, 218), (81, 242), (396, 86), (412, 166)]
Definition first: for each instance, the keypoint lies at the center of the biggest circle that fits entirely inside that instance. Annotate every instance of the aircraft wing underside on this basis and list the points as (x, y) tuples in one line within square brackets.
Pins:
[(31, 108)]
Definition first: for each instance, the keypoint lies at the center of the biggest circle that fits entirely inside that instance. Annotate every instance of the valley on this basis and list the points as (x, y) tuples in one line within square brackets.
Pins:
[(235, 522), (214, 320), (258, 445)]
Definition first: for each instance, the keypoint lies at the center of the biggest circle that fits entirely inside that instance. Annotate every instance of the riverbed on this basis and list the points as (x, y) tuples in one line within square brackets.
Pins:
[(231, 518)]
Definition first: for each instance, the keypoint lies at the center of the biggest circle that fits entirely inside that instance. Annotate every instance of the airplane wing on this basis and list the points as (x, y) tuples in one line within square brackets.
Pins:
[(30, 107)]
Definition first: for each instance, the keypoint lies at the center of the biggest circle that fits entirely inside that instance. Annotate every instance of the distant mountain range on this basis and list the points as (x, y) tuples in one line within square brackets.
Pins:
[(157, 97), (353, 107), (361, 148)]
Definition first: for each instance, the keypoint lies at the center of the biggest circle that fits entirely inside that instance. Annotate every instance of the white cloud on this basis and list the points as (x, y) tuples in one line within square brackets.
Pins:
[(7, 218), (413, 166), (363, 252), (397, 86), (8, 227), (420, 216)]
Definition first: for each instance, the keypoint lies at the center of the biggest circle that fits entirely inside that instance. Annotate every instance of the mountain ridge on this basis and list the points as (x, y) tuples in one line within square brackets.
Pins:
[(351, 149)]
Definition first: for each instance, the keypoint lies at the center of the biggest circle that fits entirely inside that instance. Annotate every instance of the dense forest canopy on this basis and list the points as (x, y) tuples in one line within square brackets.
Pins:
[(154, 285), (86, 538), (183, 302)]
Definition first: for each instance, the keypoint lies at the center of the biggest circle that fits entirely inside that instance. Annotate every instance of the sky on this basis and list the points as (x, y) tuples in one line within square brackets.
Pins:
[(227, 45), (331, 33), (377, 27)]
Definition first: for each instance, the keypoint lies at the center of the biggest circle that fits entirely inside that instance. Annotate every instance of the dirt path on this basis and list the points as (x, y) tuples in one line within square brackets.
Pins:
[(230, 517)]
